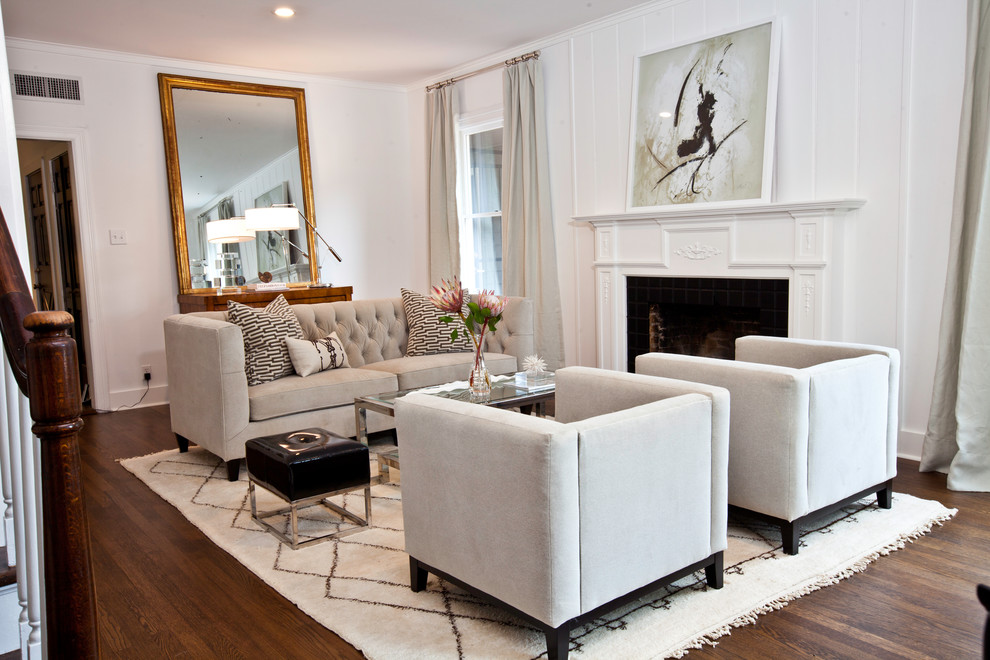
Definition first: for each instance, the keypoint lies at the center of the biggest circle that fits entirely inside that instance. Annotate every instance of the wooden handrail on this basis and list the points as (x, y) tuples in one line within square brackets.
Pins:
[(15, 304), (44, 360)]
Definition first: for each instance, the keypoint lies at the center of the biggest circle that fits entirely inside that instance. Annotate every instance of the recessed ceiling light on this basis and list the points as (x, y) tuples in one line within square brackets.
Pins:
[(665, 114), (285, 12)]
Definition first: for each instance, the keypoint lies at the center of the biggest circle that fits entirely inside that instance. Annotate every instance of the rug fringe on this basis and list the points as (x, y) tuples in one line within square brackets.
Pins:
[(710, 637)]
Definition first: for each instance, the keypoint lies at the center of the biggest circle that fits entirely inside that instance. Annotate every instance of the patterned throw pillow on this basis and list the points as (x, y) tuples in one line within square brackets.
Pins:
[(428, 335), (310, 357), (266, 356)]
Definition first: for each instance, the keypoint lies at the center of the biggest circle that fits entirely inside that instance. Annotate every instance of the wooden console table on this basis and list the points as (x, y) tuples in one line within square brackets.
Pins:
[(212, 302)]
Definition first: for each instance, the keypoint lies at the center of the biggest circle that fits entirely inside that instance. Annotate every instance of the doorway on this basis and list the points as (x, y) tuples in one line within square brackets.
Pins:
[(53, 238)]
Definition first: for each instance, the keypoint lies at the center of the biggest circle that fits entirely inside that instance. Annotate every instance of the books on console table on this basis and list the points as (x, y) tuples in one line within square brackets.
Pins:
[(268, 286)]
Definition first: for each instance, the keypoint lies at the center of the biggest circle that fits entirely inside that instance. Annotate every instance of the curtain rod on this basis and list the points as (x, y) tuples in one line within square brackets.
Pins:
[(535, 55)]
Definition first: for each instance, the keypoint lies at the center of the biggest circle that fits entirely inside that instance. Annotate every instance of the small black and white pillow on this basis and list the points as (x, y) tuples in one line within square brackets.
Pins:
[(266, 357), (310, 357), (428, 335)]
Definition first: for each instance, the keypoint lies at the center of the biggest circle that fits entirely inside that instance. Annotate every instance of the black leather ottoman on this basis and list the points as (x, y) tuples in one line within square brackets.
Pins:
[(304, 468)]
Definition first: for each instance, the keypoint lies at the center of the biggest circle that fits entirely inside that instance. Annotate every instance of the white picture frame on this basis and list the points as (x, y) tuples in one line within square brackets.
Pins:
[(703, 119)]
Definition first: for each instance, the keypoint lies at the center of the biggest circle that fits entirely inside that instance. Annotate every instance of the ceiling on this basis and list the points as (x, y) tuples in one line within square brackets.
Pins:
[(383, 41)]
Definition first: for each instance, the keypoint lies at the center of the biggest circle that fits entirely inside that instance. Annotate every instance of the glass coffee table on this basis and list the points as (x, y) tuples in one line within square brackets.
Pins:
[(506, 393)]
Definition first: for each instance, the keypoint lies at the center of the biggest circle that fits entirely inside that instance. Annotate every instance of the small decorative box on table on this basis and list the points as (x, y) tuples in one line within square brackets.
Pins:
[(534, 382), (304, 468)]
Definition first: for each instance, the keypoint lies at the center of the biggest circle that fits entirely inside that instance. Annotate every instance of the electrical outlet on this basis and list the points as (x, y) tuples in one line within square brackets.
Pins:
[(146, 370), (118, 237)]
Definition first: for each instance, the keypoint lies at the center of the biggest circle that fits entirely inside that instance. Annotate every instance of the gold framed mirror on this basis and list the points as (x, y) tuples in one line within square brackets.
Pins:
[(230, 146)]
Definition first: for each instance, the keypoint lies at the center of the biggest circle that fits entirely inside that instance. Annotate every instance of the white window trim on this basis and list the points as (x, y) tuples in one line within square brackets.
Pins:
[(468, 124)]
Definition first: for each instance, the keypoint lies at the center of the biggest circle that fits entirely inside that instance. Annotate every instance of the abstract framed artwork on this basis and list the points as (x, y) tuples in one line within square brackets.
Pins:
[(703, 114)]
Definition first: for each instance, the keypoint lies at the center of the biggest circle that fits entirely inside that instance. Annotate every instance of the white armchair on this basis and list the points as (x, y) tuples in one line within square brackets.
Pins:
[(561, 520), (813, 424)]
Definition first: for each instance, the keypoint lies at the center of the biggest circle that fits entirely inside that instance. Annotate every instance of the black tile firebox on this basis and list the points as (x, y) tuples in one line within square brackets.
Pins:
[(701, 315)]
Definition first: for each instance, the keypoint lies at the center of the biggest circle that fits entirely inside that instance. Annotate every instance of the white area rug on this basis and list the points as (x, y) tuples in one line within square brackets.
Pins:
[(358, 586)]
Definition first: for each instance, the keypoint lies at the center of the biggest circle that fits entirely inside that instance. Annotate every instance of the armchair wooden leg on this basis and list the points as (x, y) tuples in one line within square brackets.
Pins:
[(715, 571), (182, 442), (558, 642), (233, 469), (417, 575), (790, 533), (885, 496)]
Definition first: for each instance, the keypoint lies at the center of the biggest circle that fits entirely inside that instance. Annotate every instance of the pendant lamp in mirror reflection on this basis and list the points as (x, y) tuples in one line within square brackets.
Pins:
[(285, 217), (227, 271)]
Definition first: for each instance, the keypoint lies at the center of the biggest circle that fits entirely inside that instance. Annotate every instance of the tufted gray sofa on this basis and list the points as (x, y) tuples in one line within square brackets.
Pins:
[(213, 406)]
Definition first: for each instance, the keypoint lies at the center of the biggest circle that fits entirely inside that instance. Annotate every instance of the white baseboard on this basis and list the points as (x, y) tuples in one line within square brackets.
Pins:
[(909, 444), (156, 396)]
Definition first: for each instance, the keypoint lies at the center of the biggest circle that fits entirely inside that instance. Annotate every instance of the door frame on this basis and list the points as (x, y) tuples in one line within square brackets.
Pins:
[(96, 348)]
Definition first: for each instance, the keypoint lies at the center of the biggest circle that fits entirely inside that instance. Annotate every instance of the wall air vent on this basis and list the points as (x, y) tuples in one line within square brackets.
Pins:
[(53, 88)]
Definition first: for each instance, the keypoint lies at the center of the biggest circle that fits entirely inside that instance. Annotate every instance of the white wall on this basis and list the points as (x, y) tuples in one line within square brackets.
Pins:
[(360, 153), (868, 106), (10, 178)]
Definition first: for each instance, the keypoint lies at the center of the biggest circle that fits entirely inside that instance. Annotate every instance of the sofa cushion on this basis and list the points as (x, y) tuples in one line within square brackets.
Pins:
[(266, 356), (424, 371), (428, 335), (326, 389), (312, 356)]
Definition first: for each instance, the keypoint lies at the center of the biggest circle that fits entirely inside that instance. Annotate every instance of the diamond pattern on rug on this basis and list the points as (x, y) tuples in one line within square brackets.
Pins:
[(355, 561), (358, 585)]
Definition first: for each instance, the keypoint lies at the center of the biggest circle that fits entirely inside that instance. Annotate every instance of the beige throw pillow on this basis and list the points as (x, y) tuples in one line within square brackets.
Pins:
[(310, 357)]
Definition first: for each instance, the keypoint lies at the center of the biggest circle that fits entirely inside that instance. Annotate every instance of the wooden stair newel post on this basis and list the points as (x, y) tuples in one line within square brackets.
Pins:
[(56, 406)]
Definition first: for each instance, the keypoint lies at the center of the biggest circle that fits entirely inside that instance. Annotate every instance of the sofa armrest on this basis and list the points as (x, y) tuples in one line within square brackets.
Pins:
[(491, 497), (802, 353), (583, 392), (208, 393), (768, 422), (848, 448), (514, 333), (655, 477)]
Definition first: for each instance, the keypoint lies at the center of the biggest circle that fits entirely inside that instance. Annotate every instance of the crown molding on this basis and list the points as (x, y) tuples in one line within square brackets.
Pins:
[(193, 66), (546, 42)]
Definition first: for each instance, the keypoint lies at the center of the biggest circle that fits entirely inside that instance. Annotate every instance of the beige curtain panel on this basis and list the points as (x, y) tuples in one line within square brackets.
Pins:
[(529, 254), (958, 437), (442, 166)]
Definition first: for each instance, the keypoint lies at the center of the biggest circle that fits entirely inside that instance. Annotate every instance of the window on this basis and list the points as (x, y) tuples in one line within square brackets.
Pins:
[(479, 202)]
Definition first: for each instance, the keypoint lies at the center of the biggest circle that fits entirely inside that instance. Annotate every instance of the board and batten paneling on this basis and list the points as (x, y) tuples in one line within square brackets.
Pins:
[(853, 120)]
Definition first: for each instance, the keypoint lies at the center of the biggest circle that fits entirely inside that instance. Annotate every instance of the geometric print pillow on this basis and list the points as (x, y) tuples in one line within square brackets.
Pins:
[(265, 354), (428, 335)]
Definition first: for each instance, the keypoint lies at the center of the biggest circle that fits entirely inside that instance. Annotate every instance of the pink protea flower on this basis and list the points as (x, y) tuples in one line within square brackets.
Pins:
[(493, 303), (449, 296)]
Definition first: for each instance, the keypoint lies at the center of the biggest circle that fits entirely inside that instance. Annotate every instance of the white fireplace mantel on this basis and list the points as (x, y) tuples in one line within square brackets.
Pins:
[(798, 241)]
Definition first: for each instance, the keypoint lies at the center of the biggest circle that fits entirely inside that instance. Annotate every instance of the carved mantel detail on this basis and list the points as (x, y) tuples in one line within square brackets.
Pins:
[(698, 252), (808, 291)]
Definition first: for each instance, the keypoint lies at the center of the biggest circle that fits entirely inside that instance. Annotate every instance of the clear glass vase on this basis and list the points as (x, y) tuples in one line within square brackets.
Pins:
[(481, 380)]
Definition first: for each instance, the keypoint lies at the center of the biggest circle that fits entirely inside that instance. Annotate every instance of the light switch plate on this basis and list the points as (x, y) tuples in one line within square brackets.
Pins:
[(118, 237)]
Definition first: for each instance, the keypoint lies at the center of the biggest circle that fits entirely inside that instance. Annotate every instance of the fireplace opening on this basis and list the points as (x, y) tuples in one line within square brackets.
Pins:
[(701, 316)]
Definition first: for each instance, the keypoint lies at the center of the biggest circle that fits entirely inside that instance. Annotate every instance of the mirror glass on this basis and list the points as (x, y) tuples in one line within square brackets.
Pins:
[(232, 146)]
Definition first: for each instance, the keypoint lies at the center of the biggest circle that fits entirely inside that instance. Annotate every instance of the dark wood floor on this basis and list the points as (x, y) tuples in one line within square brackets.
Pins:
[(164, 590)]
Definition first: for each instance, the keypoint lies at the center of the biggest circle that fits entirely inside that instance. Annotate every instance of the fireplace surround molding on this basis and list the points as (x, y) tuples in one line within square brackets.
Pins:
[(799, 241)]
